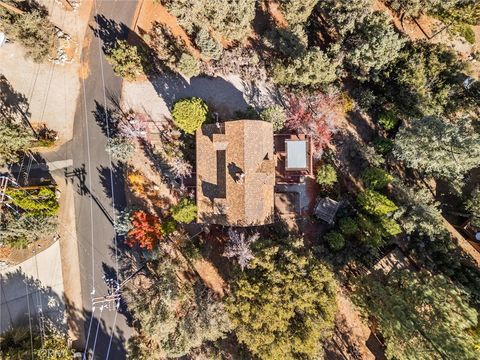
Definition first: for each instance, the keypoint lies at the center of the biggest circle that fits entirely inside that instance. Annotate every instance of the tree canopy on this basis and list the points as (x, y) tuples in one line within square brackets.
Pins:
[(14, 139), (421, 316), (439, 147), (372, 46), (172, 317), (229, 18), (283, 305)]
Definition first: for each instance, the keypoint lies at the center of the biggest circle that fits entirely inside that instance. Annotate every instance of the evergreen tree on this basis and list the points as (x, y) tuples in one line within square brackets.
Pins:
[(345, 15), (313, 68), (172, 317), (421, 316), (372, 46), (439, 147), (14, 139), (283, 305)]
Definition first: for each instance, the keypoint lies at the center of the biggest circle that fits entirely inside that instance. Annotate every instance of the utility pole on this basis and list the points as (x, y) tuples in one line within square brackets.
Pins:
[(112, 300)]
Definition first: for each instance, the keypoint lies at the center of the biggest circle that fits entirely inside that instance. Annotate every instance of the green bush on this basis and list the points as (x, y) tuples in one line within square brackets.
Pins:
[(371, 232), (382, 145), (188, 65), (39, 203), (390, 226), (466, 32), (168, 227), (376, 178), (185, 211), (388, 120), (208, 46), (375, 203), (125, 60), (275, 114), (348, 226), (335, 240), (192, 250), (189, 114), (326, 175)]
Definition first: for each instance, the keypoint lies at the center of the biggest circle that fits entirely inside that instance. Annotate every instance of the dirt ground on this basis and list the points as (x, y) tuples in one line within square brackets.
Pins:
[(150, 11), (351, 335), (51, 90)]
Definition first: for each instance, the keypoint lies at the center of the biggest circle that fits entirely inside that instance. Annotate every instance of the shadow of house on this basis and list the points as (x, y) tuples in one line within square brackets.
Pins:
[(221, 95)]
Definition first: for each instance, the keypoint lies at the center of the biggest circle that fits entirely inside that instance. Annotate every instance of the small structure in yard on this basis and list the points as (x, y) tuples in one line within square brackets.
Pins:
[(392, 261), (294, 157), (235, 173), (326, 209)]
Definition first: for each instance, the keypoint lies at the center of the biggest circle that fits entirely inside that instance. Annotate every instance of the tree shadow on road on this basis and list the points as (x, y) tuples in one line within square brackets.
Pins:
[(112, 180), (105, 119)]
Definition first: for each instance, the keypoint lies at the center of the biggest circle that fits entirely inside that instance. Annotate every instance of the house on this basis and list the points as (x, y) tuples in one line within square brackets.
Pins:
[(235, 173)]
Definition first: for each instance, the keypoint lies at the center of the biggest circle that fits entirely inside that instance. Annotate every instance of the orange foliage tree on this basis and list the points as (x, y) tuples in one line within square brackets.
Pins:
[(146, 230)]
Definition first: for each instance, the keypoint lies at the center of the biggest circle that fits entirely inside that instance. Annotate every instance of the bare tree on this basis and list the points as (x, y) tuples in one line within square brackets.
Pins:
[(238, 246), (180, 168)]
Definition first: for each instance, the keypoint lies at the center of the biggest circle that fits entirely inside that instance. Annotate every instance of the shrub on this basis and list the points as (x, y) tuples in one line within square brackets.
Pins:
[(125, 60), (390, 226), (388, 120), (168, 227), (35, 203), (276, 115), (189, 114), (335, 240), (375, 203), (188, 65), (348, 104), (185, 211), (371, 232), (208, 46), (121, 149), (466, 32), (326, 175), (348, 226), (382, 145), (376, 178)]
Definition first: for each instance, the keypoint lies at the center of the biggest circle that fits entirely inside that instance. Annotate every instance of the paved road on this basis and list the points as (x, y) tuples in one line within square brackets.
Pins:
[(93, 203)]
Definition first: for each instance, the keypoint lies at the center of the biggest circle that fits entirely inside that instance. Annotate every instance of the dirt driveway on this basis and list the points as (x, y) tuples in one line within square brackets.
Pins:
[(51, 90)]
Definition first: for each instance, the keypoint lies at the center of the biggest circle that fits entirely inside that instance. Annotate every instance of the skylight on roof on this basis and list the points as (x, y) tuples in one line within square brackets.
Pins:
[(296, 154)]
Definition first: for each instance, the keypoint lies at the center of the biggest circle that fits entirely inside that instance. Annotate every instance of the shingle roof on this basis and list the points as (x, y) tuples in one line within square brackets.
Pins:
[(235, 173)]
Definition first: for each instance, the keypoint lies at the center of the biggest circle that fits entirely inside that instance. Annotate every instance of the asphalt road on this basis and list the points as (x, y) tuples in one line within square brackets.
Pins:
[(107, 330)]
